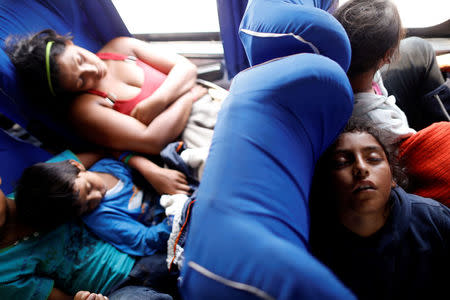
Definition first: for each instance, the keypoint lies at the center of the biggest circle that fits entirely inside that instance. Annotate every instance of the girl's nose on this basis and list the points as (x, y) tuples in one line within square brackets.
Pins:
[(89, 69), (360, 168)]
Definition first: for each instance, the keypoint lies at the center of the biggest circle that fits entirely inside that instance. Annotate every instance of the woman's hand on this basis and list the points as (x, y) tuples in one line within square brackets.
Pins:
[(147, 110), (167, 181), (197, 92), (85, 295)]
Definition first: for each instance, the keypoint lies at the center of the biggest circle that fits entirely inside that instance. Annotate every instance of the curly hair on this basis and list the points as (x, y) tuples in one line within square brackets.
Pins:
[(45, 195), (391, 151), (28, 56), (374, 27)]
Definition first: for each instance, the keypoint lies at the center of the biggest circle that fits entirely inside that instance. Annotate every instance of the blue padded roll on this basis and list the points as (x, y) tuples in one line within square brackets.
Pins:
[(274, 28), (249, 231)]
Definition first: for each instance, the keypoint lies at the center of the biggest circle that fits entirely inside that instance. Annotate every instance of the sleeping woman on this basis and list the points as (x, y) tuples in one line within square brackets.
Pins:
[(128, 96)]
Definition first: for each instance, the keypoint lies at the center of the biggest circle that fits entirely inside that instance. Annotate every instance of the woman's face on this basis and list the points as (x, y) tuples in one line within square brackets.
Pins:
[(80, 69), (360, 174)]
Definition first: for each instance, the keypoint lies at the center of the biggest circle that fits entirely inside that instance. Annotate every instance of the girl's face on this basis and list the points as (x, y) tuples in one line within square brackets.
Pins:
[(80, 69), (360, 174), (91, 189)]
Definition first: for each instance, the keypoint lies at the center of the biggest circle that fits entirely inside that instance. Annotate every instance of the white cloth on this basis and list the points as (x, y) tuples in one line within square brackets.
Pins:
[(200, 125), (196, 158), (174, 207), (382, 110)]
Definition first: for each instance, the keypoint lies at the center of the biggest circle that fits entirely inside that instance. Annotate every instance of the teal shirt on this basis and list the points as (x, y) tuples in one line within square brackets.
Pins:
[(69, 258)]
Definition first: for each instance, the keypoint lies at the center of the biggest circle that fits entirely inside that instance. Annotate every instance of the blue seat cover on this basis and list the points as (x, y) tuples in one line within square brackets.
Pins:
[(249, 232), (277, 28), (16, 155)]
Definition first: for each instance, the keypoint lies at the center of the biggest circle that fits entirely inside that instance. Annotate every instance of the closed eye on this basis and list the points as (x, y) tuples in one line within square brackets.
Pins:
[(79, 83), (80, 60), (374, 157)]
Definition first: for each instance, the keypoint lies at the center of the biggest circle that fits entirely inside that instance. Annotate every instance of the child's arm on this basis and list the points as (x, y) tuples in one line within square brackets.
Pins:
[(165, 181)]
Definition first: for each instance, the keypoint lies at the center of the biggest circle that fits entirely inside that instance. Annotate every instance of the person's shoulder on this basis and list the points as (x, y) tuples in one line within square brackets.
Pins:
[(427, 209), (420, 201), (118, 44)]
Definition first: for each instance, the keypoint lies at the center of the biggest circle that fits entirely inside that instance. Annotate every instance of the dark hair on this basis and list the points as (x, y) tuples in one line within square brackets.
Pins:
[(28, 56), (374, 27), (381, 135), (45, 196)]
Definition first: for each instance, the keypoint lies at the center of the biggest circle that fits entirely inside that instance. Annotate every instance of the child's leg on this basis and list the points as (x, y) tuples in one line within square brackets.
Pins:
[(151, 271)]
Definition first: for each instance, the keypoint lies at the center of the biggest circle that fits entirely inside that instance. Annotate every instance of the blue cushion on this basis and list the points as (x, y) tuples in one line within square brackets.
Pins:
[(250, 224), (15, 156), (277, 28)]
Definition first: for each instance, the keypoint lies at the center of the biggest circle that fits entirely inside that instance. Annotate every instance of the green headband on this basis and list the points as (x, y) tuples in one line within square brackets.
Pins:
[(47, 66)]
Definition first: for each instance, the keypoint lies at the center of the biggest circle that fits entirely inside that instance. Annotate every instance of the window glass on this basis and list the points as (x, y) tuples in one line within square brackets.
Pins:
[(421, 13), (168, 16)]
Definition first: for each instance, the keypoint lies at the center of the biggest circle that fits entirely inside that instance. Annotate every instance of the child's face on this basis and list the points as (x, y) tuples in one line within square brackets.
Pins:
[(360, 174), (91, 190)]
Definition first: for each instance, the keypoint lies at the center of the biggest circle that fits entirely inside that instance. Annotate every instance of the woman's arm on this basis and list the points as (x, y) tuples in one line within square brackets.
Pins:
[(147, 110), (109, 128), (181, 75)]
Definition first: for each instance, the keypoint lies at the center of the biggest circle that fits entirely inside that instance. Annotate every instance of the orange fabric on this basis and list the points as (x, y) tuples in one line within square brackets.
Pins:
[(426, 156), (443, 62)]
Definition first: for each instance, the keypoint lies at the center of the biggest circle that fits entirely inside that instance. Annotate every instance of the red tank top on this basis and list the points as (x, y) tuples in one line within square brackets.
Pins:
[(152, 80)]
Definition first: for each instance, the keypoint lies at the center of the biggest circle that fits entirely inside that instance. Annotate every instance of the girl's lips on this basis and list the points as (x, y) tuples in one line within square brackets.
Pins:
[(364, 185)]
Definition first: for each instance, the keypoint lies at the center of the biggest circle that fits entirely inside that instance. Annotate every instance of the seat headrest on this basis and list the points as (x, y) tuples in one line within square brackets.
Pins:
[(270, 29)]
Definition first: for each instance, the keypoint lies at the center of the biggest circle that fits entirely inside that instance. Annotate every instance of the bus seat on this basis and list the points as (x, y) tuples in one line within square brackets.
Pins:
[(249, 230), (274, 28), (15, 156)]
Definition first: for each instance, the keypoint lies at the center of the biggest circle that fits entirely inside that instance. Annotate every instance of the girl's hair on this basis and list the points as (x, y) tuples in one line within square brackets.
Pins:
[(28, 56), (362, 125), (45, 195), (373, 27)]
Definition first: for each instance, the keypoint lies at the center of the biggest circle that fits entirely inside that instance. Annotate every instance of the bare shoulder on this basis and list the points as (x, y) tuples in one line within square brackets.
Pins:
[(123, 45)]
